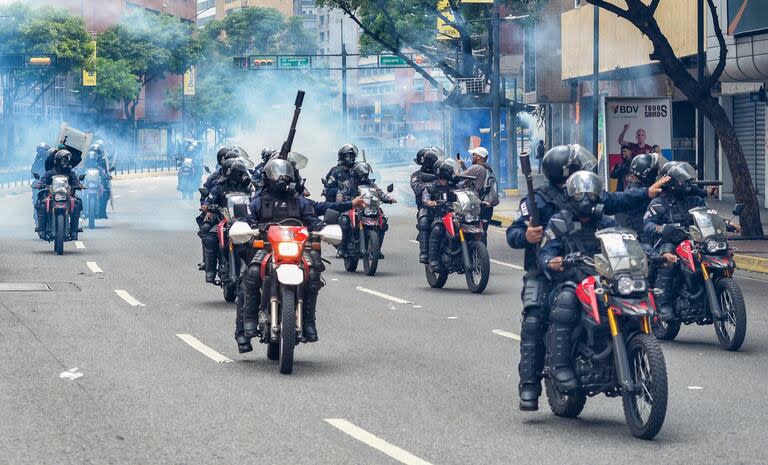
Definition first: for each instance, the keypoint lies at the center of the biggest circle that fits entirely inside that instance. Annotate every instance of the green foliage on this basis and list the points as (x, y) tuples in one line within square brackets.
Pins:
[(116, 82)]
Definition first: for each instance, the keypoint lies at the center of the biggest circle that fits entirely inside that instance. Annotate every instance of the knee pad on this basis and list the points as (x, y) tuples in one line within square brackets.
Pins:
[(533, 324), (211, 241), (534, 293), (252, 275), (423, 223), (315, 280), (565, 308)]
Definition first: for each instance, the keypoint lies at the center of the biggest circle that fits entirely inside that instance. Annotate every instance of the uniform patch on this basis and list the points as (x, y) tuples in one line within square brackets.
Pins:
[(524, 208), (550, 234)]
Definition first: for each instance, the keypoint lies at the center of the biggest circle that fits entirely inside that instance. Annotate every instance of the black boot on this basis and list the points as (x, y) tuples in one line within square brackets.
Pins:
[(308, 327), (243, 343), (201, 265), (560, 358), (665, 281), (423, 238), (211, 259), (252, 302), (531, 363), (434, 255)]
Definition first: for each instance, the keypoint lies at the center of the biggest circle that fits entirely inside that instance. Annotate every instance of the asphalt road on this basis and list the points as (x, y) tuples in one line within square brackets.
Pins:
[(426, 381)]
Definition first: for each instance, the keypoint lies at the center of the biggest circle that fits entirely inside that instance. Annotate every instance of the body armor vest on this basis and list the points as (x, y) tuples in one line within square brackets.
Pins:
[(274, 209)]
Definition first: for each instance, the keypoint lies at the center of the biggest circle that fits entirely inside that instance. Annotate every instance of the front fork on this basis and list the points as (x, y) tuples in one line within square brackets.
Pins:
[(620, 356), (361, 239), (464, 251), (709, 285)]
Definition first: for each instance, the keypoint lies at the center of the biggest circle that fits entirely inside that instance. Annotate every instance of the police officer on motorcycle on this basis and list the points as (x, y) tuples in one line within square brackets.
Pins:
[(38, 166), (558, 163), (436, 197), (266, 153), (420, 179), (61, 167), (234, 178), (341, 172), (96, 159), (584, 190), (279, 201)]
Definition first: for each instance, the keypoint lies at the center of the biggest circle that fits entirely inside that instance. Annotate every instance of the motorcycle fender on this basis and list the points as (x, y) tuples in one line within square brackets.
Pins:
[(471, 228), (367, 221), (264, 263), (290, 275), (60, 206), (716, 262), (630, 307)]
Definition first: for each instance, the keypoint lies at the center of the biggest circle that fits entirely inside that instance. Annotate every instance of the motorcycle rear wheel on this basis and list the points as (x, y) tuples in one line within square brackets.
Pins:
[(58, 244), (91, 213), (371, 259), (477, 277), (666, 330), (287, 329), (733, 329), (350, 263), (645, 411), (436, 280), (564, 405)]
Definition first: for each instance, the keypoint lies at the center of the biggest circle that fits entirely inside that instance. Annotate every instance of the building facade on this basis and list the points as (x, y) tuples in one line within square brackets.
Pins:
[(227, 7)]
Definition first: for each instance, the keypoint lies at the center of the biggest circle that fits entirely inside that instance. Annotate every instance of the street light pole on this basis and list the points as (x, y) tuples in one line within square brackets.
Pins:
[(595, 79), (495, 94), (700, 59), (344, 103)]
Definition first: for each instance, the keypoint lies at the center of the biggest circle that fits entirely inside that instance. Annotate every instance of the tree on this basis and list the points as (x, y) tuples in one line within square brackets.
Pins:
[(116, 83), (152, 46), (397, 26), (641, 16)]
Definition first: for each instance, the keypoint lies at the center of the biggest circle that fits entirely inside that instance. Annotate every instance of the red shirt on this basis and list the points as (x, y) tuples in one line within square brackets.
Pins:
[(636, 150)]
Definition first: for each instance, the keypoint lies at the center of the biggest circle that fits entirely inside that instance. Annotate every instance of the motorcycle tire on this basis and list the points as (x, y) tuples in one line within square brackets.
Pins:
[(436, 280), (477, 277), (649, 370), (91, 214), (273, 350), (287, 328), (371, 259), (350, 263), (564, 405), (58, 244), (665, 330), (731, 331)]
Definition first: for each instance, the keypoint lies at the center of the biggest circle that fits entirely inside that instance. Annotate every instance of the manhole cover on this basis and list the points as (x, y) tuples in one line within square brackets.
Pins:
[(24, 287)]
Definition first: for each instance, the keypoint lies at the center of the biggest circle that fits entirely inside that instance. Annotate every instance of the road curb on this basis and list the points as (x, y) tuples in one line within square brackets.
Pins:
[(140, 175), (505, 220), (751, 263)]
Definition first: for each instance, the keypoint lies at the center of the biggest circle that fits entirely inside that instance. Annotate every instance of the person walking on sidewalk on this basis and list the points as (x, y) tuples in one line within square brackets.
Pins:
[(484, 183), (540, 151)]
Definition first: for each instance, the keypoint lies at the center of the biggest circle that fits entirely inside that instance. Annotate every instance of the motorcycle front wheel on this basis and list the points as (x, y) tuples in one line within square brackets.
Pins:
[(646, 409), (91, 213), (287, 329), (371, 259), (731, 331), (350, 263), (480, 267), (58, 244), (665, 330)]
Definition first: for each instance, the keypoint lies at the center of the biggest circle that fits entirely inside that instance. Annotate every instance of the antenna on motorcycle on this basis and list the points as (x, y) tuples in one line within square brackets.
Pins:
[(288, 144)]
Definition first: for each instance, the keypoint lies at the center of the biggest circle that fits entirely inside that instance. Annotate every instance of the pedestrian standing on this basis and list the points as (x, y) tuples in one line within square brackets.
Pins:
[(484, 183), (540, 151)]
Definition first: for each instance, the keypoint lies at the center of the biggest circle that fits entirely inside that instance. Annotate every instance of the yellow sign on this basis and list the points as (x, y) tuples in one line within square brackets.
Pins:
[(189, 81), (444, 31), (89, 78)]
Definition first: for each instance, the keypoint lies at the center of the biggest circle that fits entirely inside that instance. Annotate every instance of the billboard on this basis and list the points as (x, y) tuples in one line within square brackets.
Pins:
[(637, 123), (152, 142), (745, 17)]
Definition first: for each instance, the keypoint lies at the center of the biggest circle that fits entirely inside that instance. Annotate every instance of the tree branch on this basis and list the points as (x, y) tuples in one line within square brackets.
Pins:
[(652, 7), (608, 6), (715, 76)]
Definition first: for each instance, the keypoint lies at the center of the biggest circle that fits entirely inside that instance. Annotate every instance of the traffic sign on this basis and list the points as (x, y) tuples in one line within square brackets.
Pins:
[(294, 62), (262, 62), (391, 61)]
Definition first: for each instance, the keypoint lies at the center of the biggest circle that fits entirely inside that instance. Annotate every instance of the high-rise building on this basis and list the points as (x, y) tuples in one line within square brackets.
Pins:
[(307, 10), (206, 11), (227, 7)]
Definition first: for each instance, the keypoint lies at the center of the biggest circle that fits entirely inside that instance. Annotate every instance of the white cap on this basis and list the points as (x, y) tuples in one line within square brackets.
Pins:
[(480, 152)]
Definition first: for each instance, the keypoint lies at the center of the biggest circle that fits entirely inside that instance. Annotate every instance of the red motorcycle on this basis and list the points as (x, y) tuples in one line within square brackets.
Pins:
[(284, 273), (708, 294), (614, 352), (59, 205), (229, 262), (366, 224)]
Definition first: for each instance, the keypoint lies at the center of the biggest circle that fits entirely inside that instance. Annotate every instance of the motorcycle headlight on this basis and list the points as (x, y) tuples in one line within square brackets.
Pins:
[(714, 246), (59, 197), (60, 190), (627, 285), (288, 249), (471, 217)]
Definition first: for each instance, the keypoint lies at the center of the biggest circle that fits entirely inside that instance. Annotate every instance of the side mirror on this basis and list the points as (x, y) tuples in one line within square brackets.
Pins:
[(203, 191), (559, 226), (331, 217), (36, 176), (330, 233), (737, 209), (390, 188), (207, 170), (81, 177)]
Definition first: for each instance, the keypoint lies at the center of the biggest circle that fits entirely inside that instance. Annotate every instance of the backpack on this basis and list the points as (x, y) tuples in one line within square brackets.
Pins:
[(490, 188)]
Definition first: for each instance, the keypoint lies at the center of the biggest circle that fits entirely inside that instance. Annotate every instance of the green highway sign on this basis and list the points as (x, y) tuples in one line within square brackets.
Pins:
[(297, 62), (391, 61)]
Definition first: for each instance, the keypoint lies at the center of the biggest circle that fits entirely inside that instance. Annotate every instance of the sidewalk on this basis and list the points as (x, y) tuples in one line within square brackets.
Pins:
[(750, 255)]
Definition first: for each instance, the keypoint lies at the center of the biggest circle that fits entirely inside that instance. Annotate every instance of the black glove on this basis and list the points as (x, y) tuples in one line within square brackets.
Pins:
[(668, 232)]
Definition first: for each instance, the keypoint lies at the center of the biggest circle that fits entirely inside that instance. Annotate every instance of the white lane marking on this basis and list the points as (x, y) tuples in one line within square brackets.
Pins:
[(383, 295), (377, 443), (453, 318), (194, 343), (506, 334), (416, 306), (128, 298), (415, 242), (117, 196), (334, 279), (94, 267), (508, 265), (695, 388), (132, 192), (79, 245)]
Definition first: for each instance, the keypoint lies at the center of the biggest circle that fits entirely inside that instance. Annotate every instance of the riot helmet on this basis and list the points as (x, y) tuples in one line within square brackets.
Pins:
[(682, 175), (563, 160), (96, 148), (664, 170), (362, 172), (420, 156), (644, 168), (221, 153), (431, 155), (62, 159), (266, 153), (278, 170), (235, 171), (42, 148), (584, 190), (347, 155), (447, 168)]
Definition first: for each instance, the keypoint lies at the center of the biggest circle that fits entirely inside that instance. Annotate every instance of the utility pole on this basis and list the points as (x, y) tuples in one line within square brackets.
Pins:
[(344, 104), (495, 85), (700, 59), (595, 79)]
